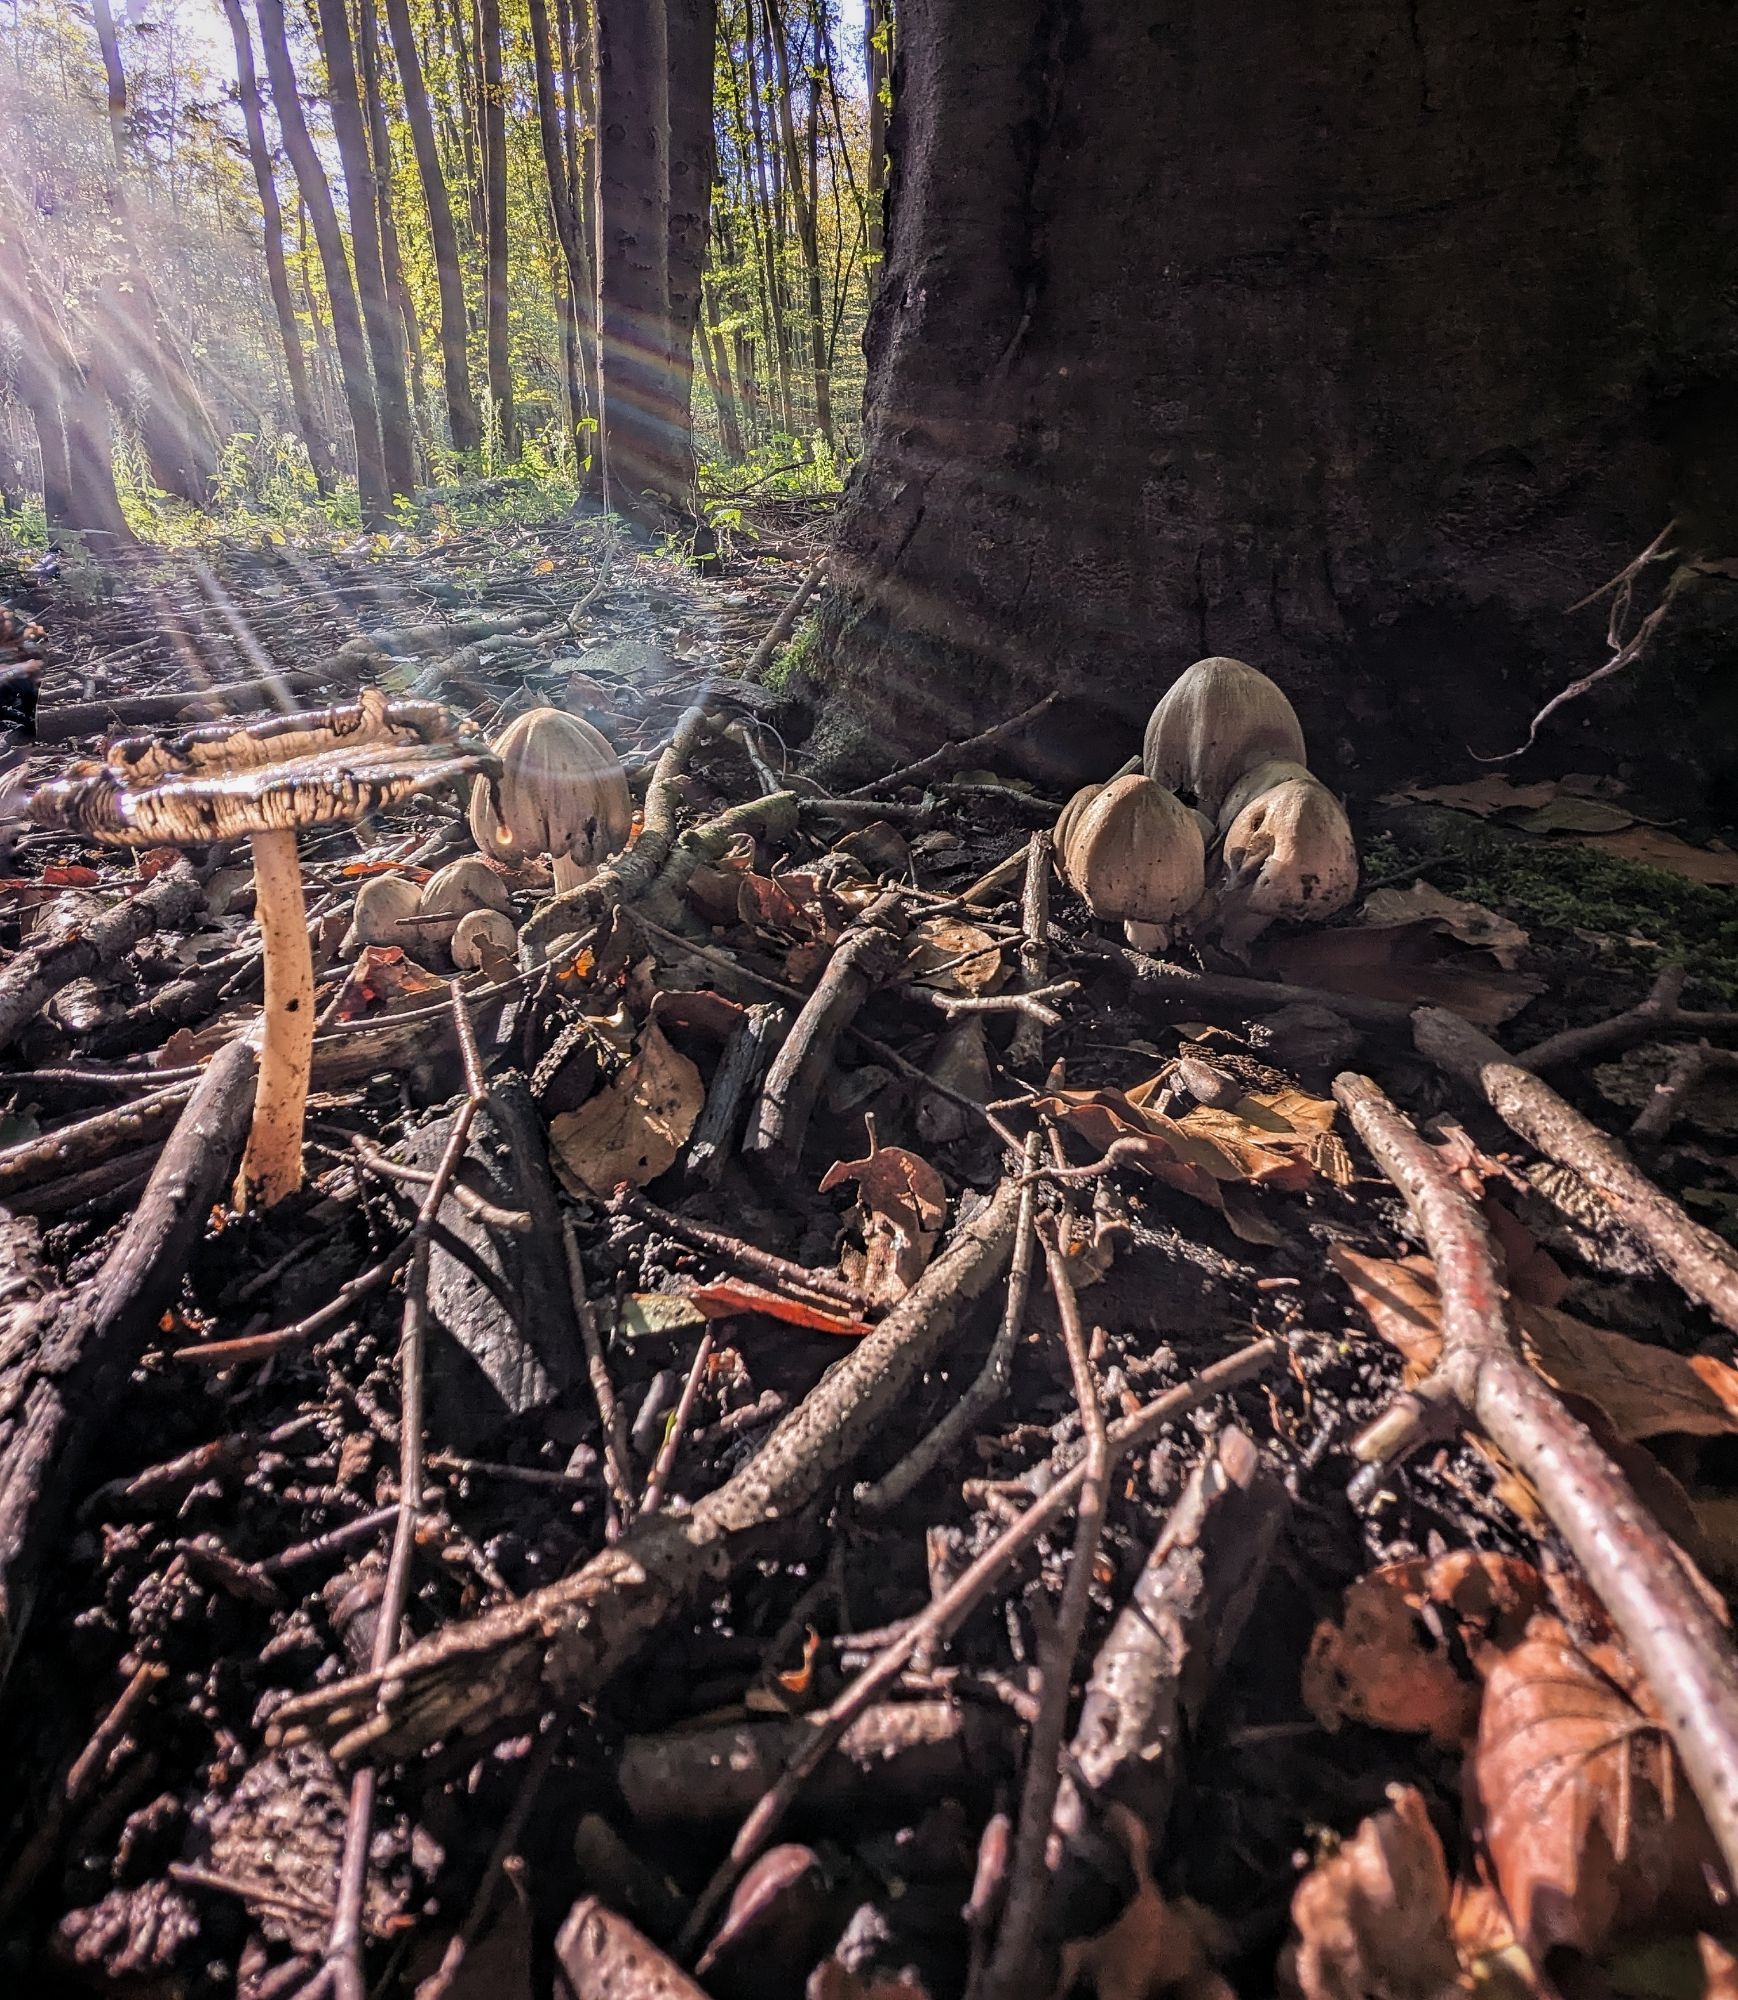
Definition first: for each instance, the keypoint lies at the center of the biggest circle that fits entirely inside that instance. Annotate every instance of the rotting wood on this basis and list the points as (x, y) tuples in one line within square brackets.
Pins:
[(1155, 982), (735, 1084), (169, 901), (562, 1643), (1631, 1563), (1705, 1266), (90, 1142), (63, 1368), (133, 711)]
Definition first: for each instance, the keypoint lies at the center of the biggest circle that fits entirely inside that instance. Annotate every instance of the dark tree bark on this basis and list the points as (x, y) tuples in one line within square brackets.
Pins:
[(349, 128), (347, 334), (391, 260), (557, 165), (716, 358), (72, 428), (693, 49), (277, 273), (463, 424), (495, 224), (877, 40), (1356, 343)]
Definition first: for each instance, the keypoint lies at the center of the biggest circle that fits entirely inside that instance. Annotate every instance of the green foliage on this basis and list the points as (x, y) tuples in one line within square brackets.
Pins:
[(802, 656)]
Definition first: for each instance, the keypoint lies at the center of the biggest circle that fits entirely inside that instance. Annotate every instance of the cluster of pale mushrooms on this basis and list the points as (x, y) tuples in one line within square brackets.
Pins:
[(550, 785), (1223, 827)]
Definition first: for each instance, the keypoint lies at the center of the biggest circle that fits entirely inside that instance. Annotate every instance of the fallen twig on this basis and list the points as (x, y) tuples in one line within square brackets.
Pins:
[(560, 1644), (618, 1458), (951, 756), (1631, 1563), (735, 1083), (748, 1258), (1703, 1265), (1155, 982), (1026, 1046), (1658, 1014), (1688, 1067), (779, 630)]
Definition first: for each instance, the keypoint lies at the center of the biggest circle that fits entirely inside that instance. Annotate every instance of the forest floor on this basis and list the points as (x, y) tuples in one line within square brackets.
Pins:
[(717, 1654)]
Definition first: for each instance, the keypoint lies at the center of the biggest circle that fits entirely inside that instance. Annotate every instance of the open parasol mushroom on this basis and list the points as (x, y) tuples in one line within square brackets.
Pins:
[(561, 792), (266, 781)]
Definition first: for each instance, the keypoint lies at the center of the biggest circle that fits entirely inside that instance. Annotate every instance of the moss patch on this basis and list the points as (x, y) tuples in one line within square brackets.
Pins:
[(802, 655)]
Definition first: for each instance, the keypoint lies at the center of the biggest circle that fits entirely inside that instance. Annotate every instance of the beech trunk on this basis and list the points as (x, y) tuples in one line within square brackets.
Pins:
[(1354, 342), (495, 227)]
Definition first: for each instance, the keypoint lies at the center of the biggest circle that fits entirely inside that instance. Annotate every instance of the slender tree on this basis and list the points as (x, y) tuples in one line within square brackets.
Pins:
[(569, 230), (802, 177), (494, 94), (349, 128), (277, 275), (692, 42), (463, 424), (878, 42), (391, 253), (347, 333)]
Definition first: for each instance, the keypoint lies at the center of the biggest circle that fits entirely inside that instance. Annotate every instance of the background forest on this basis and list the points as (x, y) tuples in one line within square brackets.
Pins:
[(240, 240)]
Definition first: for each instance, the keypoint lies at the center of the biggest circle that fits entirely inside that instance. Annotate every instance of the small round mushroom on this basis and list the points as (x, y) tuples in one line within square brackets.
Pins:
[(1133, 850), (562, 792), (382, 903), (1218, 720), (477, 928), (1289, 853), (456, 890), (264, 781)]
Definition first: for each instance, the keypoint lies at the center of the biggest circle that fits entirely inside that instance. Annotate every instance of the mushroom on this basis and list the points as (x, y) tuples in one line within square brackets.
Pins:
[(265, 780), (1289, 853), (382, 903), (477, 929), (561, 792), (1262, 778), (1217, 721), (1133, 850), (457, 890)]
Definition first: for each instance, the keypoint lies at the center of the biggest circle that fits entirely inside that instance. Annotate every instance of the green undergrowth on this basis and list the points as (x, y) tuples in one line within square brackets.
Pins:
[(1631, 918), (801, 655)]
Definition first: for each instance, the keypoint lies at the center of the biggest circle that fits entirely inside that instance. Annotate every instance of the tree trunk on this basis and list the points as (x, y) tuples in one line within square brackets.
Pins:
[(557, 167), (716, 358), (693, 51), (277, 275), (577, 121), (391, 257), (398, 443), (495, 222), (808, 228), (371, 480), (644, 466), (877, 42), (770, 231), (463, 424), (1353, 342)]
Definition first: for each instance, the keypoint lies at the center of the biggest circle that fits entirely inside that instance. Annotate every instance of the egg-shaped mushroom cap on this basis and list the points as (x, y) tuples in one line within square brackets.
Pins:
[(225, 780), (1216, 721), (561, 792), (1135, 850)]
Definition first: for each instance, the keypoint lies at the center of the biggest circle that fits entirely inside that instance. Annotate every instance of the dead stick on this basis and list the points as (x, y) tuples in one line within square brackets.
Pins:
[(735, 1082), (861, 959), (787, 617), (91, 718), (169, 902), (58, 1388), (1157, 983), (950, 756), (1688, 1067), (90, 1141), (618, 1457), (1022, 1925), (665, 1464), (1630, 1562), (344, 1945), (1702, 1264), (1658, 1014), (732, 1250), (944, 1614), (559, 1645), (1027, 1044)]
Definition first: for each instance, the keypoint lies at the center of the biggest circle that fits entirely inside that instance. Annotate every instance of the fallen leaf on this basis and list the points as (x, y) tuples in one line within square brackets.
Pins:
[(1467, 923), (706, 1013), (1567, 813), (601, 1956), (153, 861), (904, 1205), (1381, 1663), (1482, 795), (72, 875), (634, 1127), (736, 1296), (645, 1315), (1156, 1950), (1407, 962), (1653, 847), (831, 1980), (952, 956), (1577, 1796), (1373, 1919), (383, 978), (1644, 1391), (961, 1061)]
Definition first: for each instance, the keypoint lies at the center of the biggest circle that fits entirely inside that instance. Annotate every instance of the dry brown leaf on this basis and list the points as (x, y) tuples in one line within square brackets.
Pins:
[(933, 956), (1156, 1950), (832, 1981), (600, 1956), (1380, 1663), (904, 1205), (1467, 923), (1576, 1793), (1482, 796), (384, 980), (1410, 962), (1495, 1967), (1643, 1391), (1372, 1921), (1653, 847), (632, 1129)]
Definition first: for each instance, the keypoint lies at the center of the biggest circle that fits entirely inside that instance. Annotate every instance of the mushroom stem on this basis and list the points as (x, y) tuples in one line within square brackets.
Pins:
[(271, 1167), (568, 873)]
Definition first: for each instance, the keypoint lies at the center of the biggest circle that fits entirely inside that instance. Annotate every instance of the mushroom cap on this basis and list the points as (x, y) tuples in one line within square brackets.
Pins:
[(561, 792), (1260, 778), (462, 886), (1290, 853), (1134, 850), (1216, 721), (475, 928), (225, 780), (381, 902)]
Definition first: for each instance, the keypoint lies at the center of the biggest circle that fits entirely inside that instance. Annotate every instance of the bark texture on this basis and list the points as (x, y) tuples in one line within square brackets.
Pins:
[(1357, 342)]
